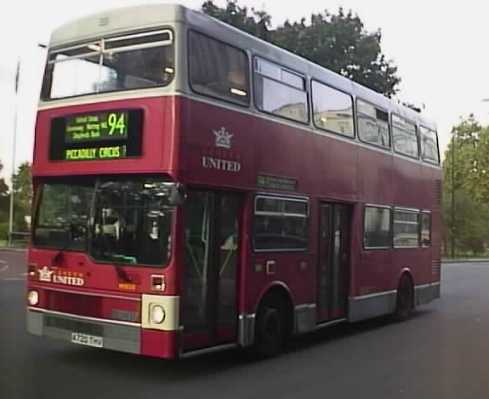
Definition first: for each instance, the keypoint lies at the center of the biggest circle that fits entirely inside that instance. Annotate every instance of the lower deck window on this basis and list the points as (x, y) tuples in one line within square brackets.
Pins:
[(377, 228), (280, 224), (425, 229), (406, 228)]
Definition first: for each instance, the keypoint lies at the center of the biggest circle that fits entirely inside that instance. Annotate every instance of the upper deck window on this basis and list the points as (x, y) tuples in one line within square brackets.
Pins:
[(429, 146), (373, 124), (333, 109), (405, 137), (280, 92), (125, 62), (218, 69)]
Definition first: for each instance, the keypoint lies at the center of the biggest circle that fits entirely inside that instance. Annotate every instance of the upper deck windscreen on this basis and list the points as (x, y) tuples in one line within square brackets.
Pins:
[(125, 62)]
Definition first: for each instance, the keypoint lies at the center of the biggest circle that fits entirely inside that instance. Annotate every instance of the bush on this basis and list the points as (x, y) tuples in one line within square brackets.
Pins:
[(3, 231)]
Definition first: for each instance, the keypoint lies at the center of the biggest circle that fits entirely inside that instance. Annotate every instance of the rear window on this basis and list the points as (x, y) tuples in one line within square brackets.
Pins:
[(429, 145)]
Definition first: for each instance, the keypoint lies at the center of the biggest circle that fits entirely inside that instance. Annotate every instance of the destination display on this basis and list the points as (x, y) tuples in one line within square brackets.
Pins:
[(90, 154), (94, 136), (276, 183), (94, 127)]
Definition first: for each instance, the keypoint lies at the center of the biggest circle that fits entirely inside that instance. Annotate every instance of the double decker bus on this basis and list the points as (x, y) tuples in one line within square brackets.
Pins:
[(197, 189)]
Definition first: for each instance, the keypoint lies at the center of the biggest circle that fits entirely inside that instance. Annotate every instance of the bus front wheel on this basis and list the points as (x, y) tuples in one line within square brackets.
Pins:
[(270, 330)]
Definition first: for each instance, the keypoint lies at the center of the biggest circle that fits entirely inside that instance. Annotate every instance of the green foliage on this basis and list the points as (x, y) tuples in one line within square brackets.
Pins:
[(470, 226), (254, 22), (22, 185), (4, 198), (4, 231), (3, 186), (466, 172), (336, 41)]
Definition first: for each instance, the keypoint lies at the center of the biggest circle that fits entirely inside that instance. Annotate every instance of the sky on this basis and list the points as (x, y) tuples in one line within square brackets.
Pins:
[(439, 47)]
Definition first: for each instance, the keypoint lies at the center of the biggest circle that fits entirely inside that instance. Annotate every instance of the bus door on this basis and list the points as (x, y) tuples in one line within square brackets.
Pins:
[(211, 240), (333, 264)]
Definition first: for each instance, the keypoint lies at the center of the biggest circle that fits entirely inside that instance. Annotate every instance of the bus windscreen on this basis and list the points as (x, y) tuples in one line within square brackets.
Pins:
[(127, 62)]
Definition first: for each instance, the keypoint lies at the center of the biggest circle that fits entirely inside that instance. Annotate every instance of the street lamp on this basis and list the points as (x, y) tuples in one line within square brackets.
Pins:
[(14, 149), (452, 238)]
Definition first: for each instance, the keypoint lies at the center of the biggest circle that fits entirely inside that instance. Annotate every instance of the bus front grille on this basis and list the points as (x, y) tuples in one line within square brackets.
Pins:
[(73, 325)]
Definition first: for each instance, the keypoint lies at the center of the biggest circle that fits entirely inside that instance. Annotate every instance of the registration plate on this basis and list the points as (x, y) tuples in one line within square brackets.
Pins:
[(88, 340)]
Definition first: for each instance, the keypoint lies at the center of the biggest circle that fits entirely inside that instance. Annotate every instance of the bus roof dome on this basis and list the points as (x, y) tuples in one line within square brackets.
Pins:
[(117, 20)]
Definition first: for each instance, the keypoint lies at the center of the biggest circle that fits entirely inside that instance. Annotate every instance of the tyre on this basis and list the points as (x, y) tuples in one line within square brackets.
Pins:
[(270, 330), (405, 300)]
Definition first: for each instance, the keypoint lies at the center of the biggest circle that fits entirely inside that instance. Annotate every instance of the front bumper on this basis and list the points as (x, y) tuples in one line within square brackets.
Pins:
[(117, 335)]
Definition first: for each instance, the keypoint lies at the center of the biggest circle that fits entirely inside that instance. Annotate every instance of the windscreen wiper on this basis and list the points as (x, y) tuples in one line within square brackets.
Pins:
[(69, 233), (121, 272)]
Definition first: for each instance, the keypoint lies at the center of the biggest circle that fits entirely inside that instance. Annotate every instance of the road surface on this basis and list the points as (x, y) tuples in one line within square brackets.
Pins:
[(442, 352)]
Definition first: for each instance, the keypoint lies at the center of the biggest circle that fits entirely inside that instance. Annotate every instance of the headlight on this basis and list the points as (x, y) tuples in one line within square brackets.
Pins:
[(160, 312), (157, 314), (33, 298)]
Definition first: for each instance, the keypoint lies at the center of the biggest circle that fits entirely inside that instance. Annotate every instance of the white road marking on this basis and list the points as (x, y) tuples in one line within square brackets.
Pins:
[(12, 279)]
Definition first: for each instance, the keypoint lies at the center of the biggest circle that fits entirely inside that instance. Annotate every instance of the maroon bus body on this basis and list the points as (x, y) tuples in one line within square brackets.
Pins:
[(177, 140)]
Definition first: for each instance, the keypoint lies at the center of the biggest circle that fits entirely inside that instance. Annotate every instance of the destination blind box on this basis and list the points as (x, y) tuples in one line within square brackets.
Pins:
[(92, 136)]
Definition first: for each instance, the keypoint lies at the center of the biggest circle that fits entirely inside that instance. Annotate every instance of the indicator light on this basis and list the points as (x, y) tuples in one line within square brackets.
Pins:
[(158, 283)]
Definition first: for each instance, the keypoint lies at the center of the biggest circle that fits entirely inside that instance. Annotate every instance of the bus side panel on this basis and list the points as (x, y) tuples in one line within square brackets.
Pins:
[(416, 260), (432, 192), (374, 271)]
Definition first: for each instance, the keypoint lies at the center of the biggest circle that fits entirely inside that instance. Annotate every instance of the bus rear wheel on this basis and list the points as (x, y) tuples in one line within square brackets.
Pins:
[(270, 330), (405, 300)]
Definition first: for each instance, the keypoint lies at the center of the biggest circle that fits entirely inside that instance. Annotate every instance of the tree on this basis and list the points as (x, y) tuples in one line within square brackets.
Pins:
[(470, 228), (254, 22), (466, 187), (336, 41), (22, 187), (4, 191), (4, 195), (4, 207)]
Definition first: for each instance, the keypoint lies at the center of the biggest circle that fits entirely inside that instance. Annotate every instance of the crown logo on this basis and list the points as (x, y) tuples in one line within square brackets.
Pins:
[(223, 138), (45, 274)]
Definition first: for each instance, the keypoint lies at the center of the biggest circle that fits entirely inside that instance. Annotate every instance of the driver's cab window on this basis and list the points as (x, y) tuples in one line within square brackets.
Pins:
[(132, 223)]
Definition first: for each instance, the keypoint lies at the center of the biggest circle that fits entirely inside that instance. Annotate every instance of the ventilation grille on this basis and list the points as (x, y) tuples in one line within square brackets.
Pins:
[(436, 268), (438, 193), (73, 325)]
